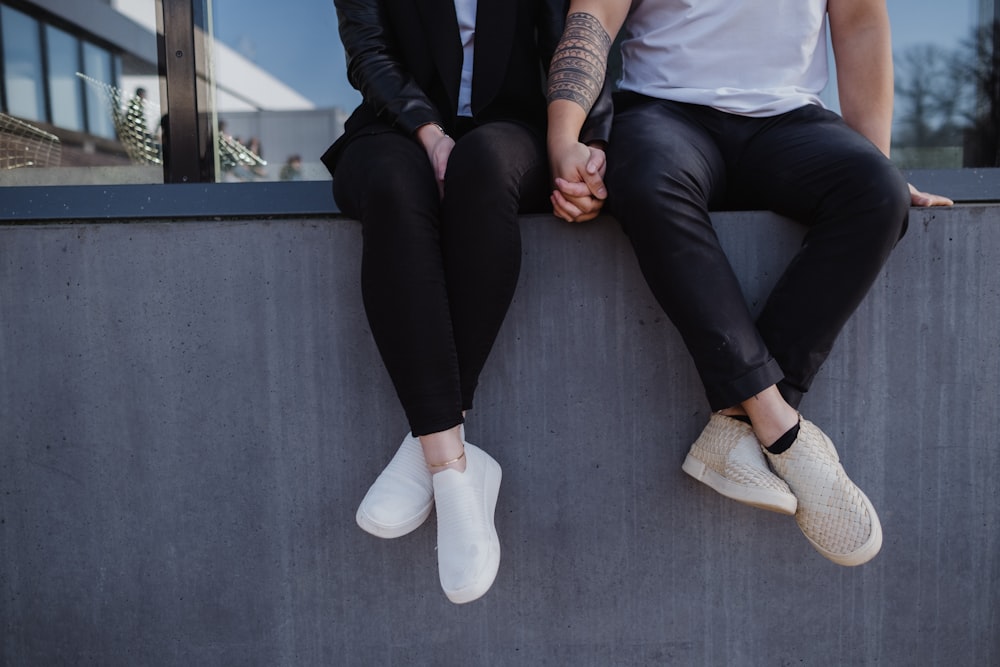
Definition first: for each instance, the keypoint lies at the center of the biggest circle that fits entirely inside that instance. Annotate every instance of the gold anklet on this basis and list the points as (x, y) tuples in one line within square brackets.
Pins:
[(447, 463)]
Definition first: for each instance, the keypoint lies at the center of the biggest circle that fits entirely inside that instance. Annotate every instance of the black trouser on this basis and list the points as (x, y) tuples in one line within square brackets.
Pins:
[(670, 163), (438, 275)]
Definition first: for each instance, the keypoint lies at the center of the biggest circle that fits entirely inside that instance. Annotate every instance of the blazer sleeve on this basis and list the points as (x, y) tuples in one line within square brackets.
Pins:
[(374, 69), (552, 21)]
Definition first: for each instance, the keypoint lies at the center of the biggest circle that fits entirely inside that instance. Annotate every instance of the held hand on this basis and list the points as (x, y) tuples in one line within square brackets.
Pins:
[(573, 202), (438, 146), (918, 198), (578, 170), (439, 155)]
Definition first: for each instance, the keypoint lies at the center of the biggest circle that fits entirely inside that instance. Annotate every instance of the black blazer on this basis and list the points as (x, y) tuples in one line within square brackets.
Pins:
[(405, 57)]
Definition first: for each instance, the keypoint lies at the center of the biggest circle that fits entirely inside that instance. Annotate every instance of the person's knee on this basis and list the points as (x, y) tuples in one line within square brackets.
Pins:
[(880, 192), (497, 165), (384, 178), (893, 200), (629, 184), (495, 153), (639, 194)]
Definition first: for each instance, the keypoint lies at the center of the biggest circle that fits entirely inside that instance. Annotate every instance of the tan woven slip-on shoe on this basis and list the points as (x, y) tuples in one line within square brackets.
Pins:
[(727, 457), (402, 495), (834, 514)]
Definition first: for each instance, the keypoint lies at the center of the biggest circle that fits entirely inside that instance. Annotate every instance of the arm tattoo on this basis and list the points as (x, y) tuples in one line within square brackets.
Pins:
[(580, 61)]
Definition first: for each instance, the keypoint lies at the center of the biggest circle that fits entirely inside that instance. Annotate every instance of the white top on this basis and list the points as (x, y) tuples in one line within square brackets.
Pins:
[(747, 57), (466, 11)]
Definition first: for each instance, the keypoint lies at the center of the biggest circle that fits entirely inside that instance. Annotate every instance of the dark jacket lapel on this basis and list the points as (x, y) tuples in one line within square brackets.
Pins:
[(441, 26), (495, 21)]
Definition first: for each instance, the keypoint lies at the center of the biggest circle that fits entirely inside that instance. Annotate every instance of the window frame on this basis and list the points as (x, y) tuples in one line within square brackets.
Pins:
[(190, 190)]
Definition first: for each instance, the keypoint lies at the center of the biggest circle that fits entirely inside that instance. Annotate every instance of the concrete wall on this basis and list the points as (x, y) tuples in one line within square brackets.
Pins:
[(191, 411)]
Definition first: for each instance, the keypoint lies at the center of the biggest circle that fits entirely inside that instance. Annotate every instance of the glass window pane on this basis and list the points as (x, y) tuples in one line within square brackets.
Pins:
[(97, 64), (96, 127), (22, 53), (65, 98), (273, 94), (947, 101)]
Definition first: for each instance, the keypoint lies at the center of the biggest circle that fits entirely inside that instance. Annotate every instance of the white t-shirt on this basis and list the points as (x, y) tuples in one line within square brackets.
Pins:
[(466, 11), (747, 57)]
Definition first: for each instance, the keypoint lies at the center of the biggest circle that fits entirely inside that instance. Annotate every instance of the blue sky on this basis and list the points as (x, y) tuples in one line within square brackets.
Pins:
[(297, 41), (943, 22)]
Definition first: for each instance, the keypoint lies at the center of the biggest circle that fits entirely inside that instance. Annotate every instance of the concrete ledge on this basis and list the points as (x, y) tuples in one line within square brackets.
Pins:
[(190, 413)]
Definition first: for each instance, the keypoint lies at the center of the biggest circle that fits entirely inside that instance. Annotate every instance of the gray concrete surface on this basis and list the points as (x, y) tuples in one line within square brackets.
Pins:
[(190, 413)]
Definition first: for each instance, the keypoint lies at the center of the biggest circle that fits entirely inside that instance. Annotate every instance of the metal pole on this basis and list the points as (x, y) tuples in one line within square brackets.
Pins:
[(186, 137)]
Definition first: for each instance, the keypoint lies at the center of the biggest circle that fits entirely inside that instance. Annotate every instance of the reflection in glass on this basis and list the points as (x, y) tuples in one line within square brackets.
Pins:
[(981, 138), (130, 116), (22, 57), (70, 87), (282, 103), (948, 96), (65, 98), (97, 65), (24, 145)]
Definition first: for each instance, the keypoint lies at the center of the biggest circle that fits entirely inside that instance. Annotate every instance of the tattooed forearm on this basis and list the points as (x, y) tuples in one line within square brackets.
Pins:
[(580, 61)]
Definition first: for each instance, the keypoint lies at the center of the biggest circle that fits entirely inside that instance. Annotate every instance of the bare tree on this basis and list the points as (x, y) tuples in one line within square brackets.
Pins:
[(951, 97), (927, 104), (981, 67)]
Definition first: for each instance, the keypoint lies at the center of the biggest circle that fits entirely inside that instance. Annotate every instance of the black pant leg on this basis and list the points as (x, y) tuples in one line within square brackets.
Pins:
[(386, 181), (810, 166), (495, 171), (664, 170)]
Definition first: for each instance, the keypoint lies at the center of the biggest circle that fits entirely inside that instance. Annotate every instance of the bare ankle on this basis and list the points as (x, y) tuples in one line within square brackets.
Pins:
[(770, 415), (444, 450)]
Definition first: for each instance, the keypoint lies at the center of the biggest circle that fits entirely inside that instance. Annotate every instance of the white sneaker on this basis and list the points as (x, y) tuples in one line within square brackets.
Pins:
[(728, 458), (467, 543), (834, 514), (401, 497)]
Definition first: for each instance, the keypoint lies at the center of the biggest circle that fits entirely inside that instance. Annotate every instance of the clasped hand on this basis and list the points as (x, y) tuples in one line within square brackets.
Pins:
[(578, 171)]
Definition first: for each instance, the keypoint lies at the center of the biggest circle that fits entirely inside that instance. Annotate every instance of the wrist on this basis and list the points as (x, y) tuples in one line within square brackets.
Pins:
[(560, 143), (430, 133)]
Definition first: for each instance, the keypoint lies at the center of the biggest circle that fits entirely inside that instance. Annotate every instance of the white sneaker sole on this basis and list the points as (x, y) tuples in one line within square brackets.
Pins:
[(390, 531), (405, 466), (766, 499)]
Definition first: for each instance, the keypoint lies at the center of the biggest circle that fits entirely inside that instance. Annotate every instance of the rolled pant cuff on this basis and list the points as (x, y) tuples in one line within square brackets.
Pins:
[(792, 395), (426, 428), (734, 392)]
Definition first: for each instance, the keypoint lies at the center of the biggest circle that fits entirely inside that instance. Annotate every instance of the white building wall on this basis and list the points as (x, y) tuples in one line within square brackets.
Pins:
[(240, 84)]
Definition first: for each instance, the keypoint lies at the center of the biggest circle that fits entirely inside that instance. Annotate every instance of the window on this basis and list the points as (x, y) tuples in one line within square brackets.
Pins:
[(64, 85), (280, 86), (24, 93), (97, 65), (947, 60), (66, 118)]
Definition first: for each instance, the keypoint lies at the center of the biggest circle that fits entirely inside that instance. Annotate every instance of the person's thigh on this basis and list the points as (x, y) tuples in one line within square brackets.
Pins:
[(382, 176), (660, 154), (809, 164), (495, 171), (498, 165), (386, 181)]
